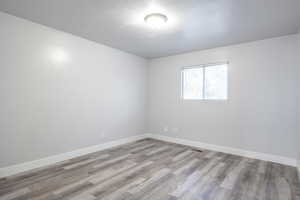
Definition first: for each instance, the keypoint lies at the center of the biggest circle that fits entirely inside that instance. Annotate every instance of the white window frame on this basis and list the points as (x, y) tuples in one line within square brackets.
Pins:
[(197, 67)]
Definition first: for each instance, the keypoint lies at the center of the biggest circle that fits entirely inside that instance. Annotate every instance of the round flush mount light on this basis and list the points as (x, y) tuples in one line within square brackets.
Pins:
[(156, 20)]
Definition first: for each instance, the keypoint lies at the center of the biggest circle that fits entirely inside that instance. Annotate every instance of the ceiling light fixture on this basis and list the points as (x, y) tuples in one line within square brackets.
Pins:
[(156, 20)]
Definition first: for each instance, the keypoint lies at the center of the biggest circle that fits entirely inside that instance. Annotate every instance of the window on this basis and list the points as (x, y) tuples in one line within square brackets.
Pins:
[(205, 82)]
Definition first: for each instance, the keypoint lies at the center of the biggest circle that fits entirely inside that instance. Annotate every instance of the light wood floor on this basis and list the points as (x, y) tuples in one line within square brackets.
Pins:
[(150, 169)]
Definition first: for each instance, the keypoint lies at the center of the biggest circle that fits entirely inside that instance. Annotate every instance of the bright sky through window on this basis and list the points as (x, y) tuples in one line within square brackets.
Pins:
[(206, 82)]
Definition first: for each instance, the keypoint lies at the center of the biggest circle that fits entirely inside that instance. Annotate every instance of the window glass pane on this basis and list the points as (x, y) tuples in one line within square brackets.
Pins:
[(193, 83), (216, 82)]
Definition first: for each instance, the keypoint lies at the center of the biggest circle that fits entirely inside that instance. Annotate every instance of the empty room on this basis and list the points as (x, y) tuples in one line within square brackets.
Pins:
[(150, 100)]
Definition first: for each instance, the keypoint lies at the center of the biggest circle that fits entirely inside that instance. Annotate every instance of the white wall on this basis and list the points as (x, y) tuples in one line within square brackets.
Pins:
[(53, 103), (298, 53), (260, 112)]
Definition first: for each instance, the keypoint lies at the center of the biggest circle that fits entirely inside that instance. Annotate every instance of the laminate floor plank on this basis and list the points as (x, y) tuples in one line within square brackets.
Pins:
[(154, 170)]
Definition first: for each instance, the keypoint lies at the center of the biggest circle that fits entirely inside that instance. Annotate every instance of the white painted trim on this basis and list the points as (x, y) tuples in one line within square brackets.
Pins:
[(299, 172), (230, 150), (18, 168), (298, 167), (15, 169)]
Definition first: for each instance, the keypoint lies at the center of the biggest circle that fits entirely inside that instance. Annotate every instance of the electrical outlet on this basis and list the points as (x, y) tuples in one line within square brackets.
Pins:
[(175, 130), (102, 134), (166, 129)]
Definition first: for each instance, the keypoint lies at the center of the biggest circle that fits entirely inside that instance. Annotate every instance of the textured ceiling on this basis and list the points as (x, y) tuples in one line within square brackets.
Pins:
[(193, 24)]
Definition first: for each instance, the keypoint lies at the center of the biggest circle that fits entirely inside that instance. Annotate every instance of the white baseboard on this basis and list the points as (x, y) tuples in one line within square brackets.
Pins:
[(15, 169), (298, 169), (299, 173), (230, 150)]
